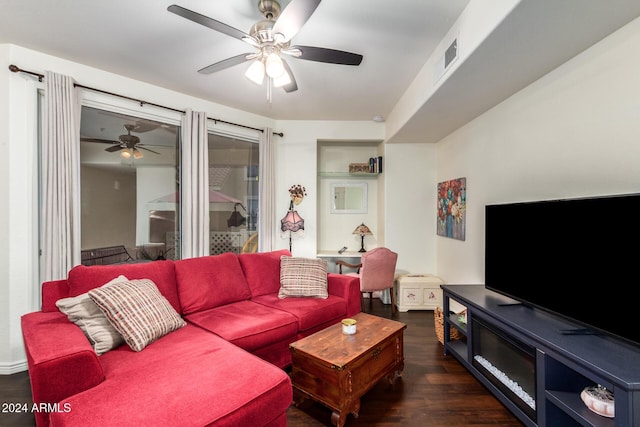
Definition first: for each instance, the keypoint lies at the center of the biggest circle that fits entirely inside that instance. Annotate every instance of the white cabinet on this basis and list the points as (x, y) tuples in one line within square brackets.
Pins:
[(418, 292)]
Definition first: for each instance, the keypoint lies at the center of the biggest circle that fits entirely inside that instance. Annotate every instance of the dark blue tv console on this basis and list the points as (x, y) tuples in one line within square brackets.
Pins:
[(537, 363)]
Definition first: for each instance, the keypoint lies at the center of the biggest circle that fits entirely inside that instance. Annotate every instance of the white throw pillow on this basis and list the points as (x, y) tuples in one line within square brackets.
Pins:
[(82, 311)]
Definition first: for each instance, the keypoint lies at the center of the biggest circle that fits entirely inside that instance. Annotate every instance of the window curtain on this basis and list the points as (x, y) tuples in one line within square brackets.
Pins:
[(194, 185), (60, 242), (268, 223)]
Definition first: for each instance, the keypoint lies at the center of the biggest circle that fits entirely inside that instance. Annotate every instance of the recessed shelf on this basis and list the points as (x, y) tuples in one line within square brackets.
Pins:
[(355, 175)]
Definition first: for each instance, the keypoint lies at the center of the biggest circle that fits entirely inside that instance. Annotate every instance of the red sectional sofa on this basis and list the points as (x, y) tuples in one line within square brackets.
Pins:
[(224, 368)]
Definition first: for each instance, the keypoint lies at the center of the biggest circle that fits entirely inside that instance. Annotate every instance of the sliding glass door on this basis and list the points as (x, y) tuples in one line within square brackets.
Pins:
[(130, 188)]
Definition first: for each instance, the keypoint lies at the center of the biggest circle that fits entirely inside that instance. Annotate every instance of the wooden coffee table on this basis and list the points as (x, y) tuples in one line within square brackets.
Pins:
[(337, 369)]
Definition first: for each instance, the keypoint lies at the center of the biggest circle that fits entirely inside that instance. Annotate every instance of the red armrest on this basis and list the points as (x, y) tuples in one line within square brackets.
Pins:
[(347, 287), (60, 359), (53, 291)]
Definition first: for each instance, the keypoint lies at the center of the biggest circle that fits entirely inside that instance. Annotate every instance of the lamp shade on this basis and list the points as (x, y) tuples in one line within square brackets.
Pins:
[(362, 230), (255, 72), (292, 222), (274, 66), (291, 225)]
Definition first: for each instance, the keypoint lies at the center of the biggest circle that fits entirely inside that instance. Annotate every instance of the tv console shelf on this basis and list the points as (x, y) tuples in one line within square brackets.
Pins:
[(561, 364)]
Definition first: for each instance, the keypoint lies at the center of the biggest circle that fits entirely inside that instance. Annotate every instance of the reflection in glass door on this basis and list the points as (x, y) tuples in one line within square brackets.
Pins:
[(129, 187), (233, 192)]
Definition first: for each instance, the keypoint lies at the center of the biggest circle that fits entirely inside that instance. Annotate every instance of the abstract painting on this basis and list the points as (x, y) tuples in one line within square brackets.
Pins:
[(452, 207)]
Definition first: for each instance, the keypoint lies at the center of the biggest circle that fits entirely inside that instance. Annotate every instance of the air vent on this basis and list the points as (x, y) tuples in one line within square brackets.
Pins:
[(451, 54), (445, 62)]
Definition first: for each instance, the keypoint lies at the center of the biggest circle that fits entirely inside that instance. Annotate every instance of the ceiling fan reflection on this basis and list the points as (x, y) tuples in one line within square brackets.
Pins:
[(129, 145)]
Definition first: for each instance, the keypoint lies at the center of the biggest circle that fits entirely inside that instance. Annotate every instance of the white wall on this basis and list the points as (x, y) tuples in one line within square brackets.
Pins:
[(574, 132), (18, 232), (410, 206)]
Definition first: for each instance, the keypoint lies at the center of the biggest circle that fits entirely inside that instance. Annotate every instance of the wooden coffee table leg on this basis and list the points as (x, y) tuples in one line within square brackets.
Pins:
[(339, 418), (356, 409), (298, 397)]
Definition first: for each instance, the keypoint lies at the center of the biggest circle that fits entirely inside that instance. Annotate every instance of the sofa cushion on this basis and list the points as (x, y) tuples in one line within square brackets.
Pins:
[(187, 378), (247, 324), (262, 271), (303, 277), (210, 281), (138, 311), (82, 278), (310, 312), (82, 311)]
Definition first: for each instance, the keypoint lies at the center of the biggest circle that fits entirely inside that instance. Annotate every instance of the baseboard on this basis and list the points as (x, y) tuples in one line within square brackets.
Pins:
[(13, 368)]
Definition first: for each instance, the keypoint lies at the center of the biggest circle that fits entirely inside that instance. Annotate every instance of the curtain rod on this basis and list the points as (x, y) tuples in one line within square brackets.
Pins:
[(16, 69)]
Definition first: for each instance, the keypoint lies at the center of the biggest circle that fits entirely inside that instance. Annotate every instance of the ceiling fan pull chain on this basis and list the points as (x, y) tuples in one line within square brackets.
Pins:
[(269, 89)]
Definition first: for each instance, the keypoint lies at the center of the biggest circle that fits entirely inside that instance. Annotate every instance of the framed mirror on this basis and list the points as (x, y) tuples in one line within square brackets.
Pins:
[(349, 198)]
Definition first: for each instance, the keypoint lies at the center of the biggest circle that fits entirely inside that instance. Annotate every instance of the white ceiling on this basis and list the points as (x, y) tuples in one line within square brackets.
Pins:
[(142, 40)]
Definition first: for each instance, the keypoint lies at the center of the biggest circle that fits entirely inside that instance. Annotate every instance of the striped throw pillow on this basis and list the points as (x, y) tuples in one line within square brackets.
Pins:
[(303, 277), (138, 311)]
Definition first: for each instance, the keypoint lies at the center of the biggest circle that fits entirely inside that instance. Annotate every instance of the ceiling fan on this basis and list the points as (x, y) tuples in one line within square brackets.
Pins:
[(271, 37), (129, 144)]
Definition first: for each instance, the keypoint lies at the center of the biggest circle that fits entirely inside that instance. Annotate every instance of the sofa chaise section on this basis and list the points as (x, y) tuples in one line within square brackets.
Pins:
[(188, 378)]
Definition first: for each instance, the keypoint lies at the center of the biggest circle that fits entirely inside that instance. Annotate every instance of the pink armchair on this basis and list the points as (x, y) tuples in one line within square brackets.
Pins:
[(376, 272)]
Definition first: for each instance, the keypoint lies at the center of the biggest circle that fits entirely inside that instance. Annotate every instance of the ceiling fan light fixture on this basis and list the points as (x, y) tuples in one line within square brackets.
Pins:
[(284, 79), (255, 72), (125, 154), (137, 154), (274, 66), (271, 37)]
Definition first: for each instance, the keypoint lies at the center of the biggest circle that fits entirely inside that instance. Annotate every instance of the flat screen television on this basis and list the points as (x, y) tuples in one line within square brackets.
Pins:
[(577, 258)]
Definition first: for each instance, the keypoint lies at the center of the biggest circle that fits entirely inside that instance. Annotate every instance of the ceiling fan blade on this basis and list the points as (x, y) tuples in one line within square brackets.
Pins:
[(101, 141), (142, 126), (293, 17), (332, 56), (209, 22), (142, 148), (114, 148), (293, 86), (229, 62)]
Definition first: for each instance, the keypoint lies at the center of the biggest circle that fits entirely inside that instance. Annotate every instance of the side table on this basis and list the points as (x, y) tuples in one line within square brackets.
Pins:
[(418, 292)]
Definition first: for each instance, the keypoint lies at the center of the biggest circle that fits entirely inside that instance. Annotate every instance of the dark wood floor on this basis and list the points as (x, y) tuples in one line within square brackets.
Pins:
[(434, 390)]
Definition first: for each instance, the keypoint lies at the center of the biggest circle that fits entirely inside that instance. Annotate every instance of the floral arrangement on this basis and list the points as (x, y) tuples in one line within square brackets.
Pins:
[(297, 193)]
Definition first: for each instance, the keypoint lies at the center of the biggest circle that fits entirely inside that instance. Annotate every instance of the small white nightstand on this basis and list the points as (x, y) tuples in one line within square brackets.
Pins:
[(418, 292)]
